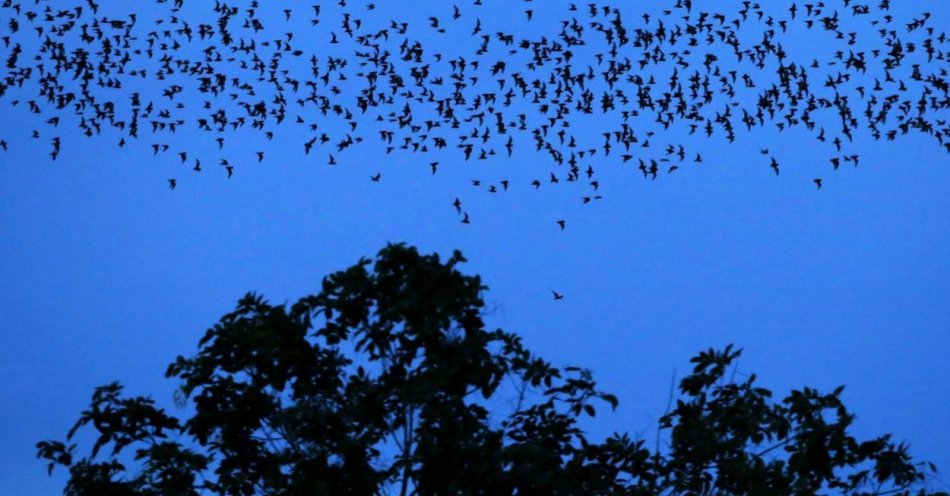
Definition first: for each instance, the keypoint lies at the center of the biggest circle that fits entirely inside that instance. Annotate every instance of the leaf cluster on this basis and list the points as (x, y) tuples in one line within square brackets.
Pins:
[(384, 383)]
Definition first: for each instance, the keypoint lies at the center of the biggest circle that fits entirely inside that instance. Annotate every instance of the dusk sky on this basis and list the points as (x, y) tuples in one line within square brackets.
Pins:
[(108, 274)]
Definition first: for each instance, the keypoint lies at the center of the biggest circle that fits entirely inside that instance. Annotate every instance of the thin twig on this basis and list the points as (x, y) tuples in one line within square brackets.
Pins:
[(669, 404)]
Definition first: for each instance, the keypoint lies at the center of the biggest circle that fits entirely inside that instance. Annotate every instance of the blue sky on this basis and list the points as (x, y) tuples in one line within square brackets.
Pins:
[(106, 274)]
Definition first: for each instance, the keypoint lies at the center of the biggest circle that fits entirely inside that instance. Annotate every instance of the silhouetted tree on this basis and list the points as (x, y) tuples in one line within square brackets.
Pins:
[(386, 382)]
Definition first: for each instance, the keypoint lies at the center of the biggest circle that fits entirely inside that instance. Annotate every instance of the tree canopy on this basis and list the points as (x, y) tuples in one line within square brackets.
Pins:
[(387, 381)]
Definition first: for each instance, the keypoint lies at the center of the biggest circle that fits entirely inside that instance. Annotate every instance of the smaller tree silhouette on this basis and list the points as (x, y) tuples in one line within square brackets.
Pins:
[(382, 384)]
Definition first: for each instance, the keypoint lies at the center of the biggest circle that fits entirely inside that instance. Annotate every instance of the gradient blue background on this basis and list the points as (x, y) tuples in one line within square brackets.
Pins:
[(107, 275)]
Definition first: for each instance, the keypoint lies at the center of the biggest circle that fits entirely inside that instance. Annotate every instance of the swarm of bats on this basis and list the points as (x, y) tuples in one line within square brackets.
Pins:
[(344, 75)]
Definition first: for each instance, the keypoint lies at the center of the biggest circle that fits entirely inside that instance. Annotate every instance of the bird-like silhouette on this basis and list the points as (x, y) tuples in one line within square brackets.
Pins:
[(591, 89)]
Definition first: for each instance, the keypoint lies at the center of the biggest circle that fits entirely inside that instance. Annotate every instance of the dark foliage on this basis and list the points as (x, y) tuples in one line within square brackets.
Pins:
[(384, 381)]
